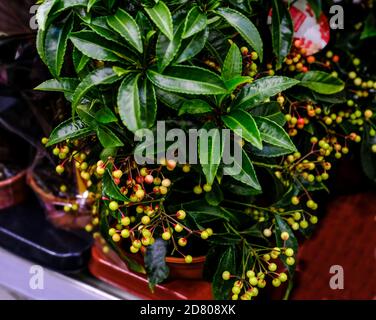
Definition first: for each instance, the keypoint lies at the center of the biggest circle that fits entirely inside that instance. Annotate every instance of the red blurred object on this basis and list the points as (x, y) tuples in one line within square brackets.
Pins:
[(13, 190), (111, 269), (346, 237)]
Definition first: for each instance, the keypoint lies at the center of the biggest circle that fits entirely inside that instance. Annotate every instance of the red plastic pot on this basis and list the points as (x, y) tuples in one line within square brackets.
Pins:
[(13, 190), (54, 208), (111, 269)]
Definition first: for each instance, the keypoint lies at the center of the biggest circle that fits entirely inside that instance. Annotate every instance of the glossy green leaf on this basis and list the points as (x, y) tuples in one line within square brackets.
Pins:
[(262, 89), (171, 100), (123, 23), (91, 3), (282, 31), (369, 27), (221, 288), (56, 45), (80, 61), (245, 27), (233, 65), (189, 80), (282, 226), (243, 170), (97, 77), (68, 129), (99, 26), (195, 22), (274, 134), (321, 82), (244, 122), (105, 115), (107, 138), (270, 110), (155, 262), (195, 106), (39, 43), (64, 85), (95, 47), (167, 49), (43, 12), (210, 151), (137, 103), (160, 14), (234, 83), (193, 46), (215, 196)]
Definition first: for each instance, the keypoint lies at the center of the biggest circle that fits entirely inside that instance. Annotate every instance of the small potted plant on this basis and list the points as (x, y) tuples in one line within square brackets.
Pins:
[(147, 76)]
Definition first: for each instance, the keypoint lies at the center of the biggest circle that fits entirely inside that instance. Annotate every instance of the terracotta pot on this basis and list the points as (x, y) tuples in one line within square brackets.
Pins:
[(13, 190), (54, 208), (111, 269)]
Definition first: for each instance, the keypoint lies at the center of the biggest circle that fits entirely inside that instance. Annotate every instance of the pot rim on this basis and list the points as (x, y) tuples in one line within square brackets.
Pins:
[(13, 179), (198, 259)]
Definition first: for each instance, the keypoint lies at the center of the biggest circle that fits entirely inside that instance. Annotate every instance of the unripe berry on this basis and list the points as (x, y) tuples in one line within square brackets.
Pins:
[(267, 233), (253, 281), (137, 244), (276, 282), (134, 249), (125, 233), (304, 224), (113, 206), (145, 220), (272, 267), (117, 174), (100, 171), (157, 181), (171, 164), (140, 194), (250, 274), (178, 228), (166, 235), (254, 55), (289, 252), (88, 228), (188, 259), (166, 183), (116, 237), (313, 219), (207, 187), (295, 200), (125, 221), (182, 242), (204, 235), (144, 172), (163, 190), (368, 114), (285, 236), (197, 189), (282, 277), (290, 261), (59, 169), (226, 275), (181, 214), (209, 231), (186, 168)]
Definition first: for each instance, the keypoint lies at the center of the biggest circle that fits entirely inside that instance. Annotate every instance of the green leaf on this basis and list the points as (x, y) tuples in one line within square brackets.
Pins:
[(160, 14), (282, 31), (193, 46), (127, 27), (95, 47), (111, 189), (221, 288), (316, 7), (155, 262), (245, 27), (215, 196), (167, 49), (189, 80), (243, 171), (90, 4), (195, 22), (99, 26), (233, 65), (262, 89), (210, 151), (39, 43), (107, 138), (137, 103), (369, 27), (282, 226), (234, 83), (243, 121), (56, 45), (171, 100), (68, 129), (320, 82), (43, 12), (367, 157), (274, 134), (105, 115), (195, 106), (270, 110), (95, 78), (64, 85)]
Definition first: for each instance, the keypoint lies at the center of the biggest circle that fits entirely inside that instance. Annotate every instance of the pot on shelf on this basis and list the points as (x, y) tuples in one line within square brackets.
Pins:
[(13, 190), (184, 283), (54, 207)]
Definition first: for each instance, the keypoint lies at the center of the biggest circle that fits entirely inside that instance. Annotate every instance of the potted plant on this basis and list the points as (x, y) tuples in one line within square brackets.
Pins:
[(152, 77)]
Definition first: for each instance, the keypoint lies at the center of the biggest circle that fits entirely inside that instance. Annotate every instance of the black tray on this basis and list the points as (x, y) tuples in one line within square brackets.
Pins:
[(25, 231)]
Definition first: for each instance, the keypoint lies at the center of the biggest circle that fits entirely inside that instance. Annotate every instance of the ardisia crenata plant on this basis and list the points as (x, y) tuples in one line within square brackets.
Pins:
[(126, 65)]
